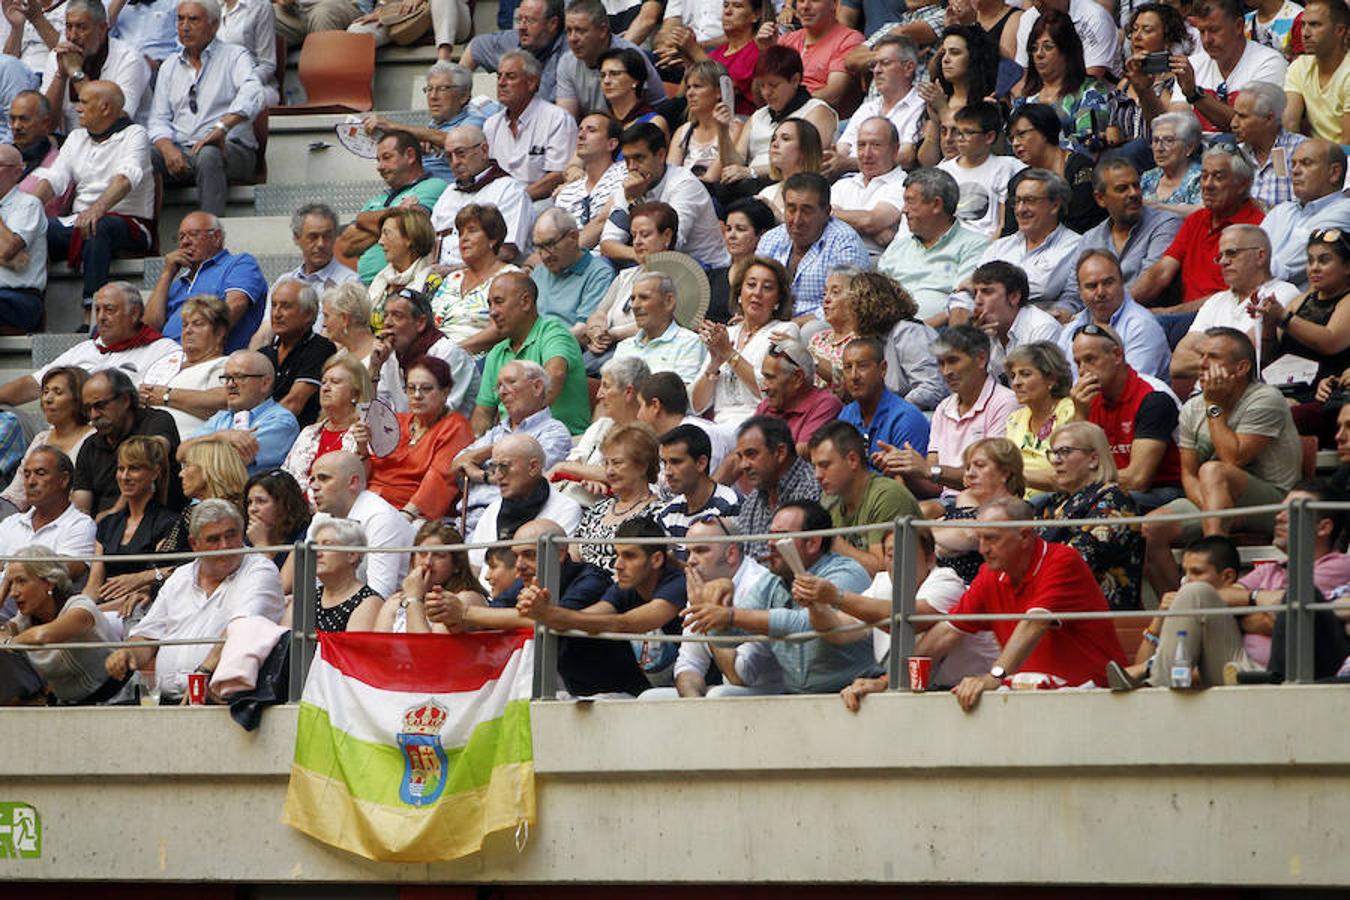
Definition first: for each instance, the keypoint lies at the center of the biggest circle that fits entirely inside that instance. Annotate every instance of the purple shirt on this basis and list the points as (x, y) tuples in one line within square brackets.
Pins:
[(816, 408)]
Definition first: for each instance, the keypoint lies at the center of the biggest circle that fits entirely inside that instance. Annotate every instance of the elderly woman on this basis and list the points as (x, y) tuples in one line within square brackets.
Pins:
[(49, 613), (730, 382), (827, 345), (346, 322), (417, 476), (433, 572), (1174, 184), (993, 472), (696, 145), (617, 402), (67, 425), (1086, 488), (460, 304), (277, 513), (632, 463), (140, 522), (344, 601), (193, 393), (623, 79), (1041, 379), (794, 147), (654, 227), (344, 386), (407, 239), (1034, 133), (1058, 76), (883, 309), (213, 468)]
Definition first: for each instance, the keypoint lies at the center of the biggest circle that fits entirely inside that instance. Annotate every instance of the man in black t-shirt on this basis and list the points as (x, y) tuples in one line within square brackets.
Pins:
[(296, 352), (113, 405)]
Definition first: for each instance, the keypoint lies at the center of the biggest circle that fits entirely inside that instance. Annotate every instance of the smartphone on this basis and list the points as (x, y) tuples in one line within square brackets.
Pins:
[(728, 92), (787, 549), (1156, 63)]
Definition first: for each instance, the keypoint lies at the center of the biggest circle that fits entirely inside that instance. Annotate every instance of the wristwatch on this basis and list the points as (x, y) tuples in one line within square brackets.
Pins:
[(220, 123), (998, 673), (1214, 410), (78, 76), (1195, 96), (935, 473)]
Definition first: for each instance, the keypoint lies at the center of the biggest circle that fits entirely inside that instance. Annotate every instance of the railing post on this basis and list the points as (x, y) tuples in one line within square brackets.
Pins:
[(903, 568), (549, 574), (1298, 632), (302, 615)]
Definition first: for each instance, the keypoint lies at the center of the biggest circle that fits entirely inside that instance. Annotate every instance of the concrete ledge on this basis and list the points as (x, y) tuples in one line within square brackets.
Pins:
[(1246, 786)]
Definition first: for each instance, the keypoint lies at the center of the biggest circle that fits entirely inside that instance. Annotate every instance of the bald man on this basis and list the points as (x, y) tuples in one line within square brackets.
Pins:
[(23, 246), (1317, 172), (260, 428), (517, 466), (107, 160), (338, 484), (480, 180)]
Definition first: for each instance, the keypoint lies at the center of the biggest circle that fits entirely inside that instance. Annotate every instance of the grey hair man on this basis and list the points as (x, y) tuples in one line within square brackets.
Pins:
[(297, 352), (1258, 114), (588, 35), (476, 179), (86, 52), (448, 90), (665, 344), (199, 599), (538, 30), (314, 229), (571, 281), (528, 122), (894, 64), (255, 425), (518, 466), (113, 405)]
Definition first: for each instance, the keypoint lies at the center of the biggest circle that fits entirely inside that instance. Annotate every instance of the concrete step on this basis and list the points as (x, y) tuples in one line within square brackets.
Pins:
[(304, 149)]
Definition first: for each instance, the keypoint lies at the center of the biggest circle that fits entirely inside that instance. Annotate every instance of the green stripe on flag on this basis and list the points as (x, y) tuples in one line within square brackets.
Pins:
[(373, 772)]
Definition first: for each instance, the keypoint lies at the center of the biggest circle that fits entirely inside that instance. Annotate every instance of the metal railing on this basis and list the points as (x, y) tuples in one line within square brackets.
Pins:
[(1299, 606)]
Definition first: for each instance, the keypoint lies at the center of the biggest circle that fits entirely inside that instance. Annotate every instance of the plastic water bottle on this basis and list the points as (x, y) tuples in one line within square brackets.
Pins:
[(1181, 664)]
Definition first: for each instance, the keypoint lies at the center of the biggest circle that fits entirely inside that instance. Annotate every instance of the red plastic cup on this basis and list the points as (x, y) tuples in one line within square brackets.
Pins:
[(197, 688), (920, 667)]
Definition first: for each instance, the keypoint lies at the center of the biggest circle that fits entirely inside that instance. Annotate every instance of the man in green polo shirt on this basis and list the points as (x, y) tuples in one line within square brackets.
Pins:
[(855, 495), (398, 159), (513, 306)]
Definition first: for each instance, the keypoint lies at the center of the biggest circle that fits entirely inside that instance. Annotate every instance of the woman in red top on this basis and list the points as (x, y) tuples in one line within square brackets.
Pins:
[(416, 477), (344, 385), (740, 21)]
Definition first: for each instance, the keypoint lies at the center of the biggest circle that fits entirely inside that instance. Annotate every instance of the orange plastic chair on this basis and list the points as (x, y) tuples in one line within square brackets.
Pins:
[(337, 71)]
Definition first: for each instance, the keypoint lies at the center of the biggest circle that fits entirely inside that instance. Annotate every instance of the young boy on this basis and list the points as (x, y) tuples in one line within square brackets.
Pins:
[(983, 177)]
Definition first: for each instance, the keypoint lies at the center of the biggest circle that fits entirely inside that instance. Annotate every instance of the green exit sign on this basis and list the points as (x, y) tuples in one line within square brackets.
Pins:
[(20, 832)]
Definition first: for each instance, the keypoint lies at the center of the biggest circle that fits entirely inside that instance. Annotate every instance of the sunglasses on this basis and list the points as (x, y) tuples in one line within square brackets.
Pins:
[(712, 519)]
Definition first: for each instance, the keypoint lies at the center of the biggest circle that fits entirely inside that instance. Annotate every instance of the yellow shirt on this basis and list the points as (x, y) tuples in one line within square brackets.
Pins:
[(1324, 105), (1034, 461)]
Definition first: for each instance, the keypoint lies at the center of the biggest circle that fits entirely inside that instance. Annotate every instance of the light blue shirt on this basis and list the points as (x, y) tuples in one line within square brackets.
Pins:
[(151, 28), (1047, 267), (14, 77), (838, 245), (272, 424), (227, 83), (1290, 223), (574, 294), (1146, 348), (435, 164), (677, 350), (930, 274), (815, 666), (1148, 241), (23, 214)]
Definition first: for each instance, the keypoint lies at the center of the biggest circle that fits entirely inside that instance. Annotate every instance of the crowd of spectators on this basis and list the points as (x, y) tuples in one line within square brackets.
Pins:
[(693, 272)]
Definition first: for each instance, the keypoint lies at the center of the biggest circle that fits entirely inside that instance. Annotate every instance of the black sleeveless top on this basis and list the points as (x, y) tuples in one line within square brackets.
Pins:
[(335, 618), (1318, 311)]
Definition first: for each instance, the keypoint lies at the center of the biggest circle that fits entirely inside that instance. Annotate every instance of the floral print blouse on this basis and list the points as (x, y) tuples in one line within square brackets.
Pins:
[(1114, 553)]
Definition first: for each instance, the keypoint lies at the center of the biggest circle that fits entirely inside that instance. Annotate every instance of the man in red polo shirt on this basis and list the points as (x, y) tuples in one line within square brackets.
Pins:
[(1225, 189), (1023, 573), (788, 376), (1138, 413)]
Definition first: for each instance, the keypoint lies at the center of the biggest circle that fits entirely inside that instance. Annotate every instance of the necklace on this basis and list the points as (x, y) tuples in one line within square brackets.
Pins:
[(631, 506)]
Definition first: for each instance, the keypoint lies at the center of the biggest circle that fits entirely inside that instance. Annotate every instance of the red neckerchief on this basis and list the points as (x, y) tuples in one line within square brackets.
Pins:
[(142, 338)]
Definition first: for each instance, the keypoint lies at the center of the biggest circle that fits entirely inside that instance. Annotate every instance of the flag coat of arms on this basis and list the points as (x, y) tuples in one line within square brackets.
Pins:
[(414, 747)]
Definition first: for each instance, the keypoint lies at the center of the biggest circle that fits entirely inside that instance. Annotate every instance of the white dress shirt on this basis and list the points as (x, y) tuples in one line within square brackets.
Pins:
[(70, 534), (385, 527), (227, 83), (33, 50), (906, 115), (546, 140), (854, 192), (184, 610), (125, 67), (23, 214), (91, 166)]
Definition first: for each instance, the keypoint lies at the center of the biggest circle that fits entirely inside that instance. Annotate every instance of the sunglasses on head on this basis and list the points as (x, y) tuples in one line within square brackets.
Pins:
[(1092, 329)]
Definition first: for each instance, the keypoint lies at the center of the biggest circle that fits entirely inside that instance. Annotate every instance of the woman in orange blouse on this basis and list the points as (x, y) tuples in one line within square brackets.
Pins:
[(416, 476)]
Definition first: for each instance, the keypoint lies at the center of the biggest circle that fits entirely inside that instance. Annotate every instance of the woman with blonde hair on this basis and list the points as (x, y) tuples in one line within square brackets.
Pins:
[(408, 239), (1041, 379), (213, 468), (344, 385), (993, 472), (51, 613), (1085, 475), (347, 323), (697, 144)]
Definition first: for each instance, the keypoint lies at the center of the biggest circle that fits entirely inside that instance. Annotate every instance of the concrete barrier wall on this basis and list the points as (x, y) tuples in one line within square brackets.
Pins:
[(1229, 786)]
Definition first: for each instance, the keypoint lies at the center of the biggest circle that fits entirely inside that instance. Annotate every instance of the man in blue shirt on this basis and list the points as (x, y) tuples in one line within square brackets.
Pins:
[(816, 666), (254, 424), (647, 595), (1317, 173), (1105, 302), (448, 90), (879, 415), (571, 282), (202, 265)]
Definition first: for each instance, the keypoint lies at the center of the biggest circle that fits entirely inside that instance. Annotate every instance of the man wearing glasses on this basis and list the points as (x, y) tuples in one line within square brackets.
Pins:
[(476, 178), (539, 25), (258, 427), (113, 406), (448, 90), (206, 98), (571, 281)]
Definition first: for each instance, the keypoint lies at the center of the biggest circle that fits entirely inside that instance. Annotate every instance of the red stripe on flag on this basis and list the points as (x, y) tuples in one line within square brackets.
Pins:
[(442, 663)]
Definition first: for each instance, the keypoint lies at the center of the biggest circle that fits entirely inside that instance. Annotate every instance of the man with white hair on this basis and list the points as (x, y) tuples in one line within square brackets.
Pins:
[(88, 54), (23, 246), (1258, 115), (518, 468), (199, 599), (107, 160), (258, 427), (297, 353), (338, 484), (530, 138), (1317, 170), (788, 377), (448, 90), (476, 178), (1225, 191), (571, 281), (206, 98), (314, 228), (895, 59), (663, 343)]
